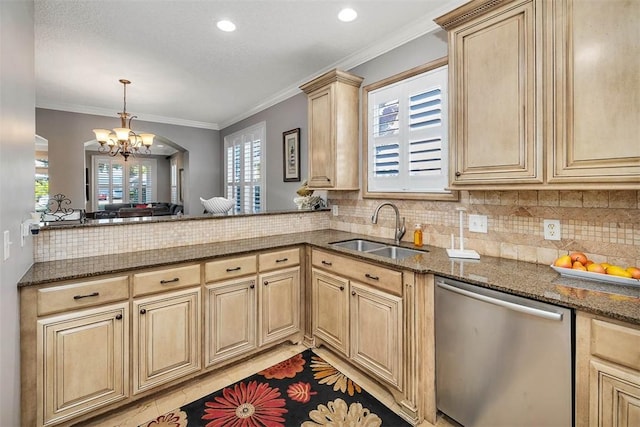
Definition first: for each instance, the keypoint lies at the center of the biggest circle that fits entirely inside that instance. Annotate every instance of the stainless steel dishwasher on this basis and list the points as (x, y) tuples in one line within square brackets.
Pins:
[(502, 360)]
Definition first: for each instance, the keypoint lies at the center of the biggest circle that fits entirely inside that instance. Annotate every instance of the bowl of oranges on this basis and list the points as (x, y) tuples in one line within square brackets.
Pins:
[(577, 265)]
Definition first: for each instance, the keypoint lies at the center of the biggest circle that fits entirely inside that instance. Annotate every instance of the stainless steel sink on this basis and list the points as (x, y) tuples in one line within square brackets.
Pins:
[(359, 245), (396, 252), (376, 248)]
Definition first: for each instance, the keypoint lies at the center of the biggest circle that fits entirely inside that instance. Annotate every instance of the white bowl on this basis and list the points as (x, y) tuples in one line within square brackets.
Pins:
[(217, 204)]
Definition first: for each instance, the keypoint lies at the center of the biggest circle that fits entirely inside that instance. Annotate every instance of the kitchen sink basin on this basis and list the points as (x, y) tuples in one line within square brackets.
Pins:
[(380, 249), (359, 245), (396, 252)]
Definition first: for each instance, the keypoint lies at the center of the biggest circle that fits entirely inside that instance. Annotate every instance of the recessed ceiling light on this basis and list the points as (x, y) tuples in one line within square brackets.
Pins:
[(347, 15), (226, 25)]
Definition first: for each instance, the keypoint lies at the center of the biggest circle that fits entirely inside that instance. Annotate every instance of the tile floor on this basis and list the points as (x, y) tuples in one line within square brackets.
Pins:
[(147, 410)]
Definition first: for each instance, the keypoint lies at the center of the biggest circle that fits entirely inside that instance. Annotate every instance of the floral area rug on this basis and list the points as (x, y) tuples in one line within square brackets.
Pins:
[(302, 391)]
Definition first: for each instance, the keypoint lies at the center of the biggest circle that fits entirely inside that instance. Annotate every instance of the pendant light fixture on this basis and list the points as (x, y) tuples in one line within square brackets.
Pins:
[(124, 140)]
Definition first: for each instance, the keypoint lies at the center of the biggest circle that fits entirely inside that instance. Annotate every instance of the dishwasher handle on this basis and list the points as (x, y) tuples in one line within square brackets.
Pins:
[(510, 305)]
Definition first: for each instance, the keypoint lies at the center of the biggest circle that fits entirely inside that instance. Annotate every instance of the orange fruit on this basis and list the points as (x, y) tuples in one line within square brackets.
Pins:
[(578, 256)]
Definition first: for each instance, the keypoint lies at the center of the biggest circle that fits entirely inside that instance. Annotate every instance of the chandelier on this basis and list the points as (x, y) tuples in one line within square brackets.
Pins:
[(124, 140)]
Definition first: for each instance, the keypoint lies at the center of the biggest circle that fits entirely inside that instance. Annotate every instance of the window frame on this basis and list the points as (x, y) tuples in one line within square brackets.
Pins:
[(232, 140), (453, 195)]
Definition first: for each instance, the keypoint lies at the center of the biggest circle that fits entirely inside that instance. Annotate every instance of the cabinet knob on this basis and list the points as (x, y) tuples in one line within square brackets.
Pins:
[(118, 316), (143, 311), (353, 293), (342, 288), (458, 174), (266, 282), (252, 286)]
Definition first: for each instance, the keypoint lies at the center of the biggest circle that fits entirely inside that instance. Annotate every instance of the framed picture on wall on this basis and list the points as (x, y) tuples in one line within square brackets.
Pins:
[(291, 155)]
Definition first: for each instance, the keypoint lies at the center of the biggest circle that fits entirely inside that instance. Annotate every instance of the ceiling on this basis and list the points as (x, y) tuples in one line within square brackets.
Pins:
[(185, 71)]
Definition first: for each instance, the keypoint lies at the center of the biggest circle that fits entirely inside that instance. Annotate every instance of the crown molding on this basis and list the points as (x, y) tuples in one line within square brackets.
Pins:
[(84, 109)]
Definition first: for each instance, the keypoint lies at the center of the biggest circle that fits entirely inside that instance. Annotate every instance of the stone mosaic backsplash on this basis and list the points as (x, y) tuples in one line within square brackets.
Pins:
[(88, 241), (603, 224)]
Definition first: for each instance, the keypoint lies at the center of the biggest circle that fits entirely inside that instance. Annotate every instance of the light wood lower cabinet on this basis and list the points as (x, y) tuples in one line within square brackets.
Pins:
[(279, 304), (376, 332), (330, 310), (607, 372), (82, 362), (166, 337), (230, 319)]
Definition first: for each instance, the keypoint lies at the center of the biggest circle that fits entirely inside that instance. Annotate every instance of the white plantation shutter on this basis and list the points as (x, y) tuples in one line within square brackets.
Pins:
[(244, 162), (407, 134), (117, 181)]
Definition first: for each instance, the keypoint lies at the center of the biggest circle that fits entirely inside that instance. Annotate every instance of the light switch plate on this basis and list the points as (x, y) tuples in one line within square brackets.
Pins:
[(478, 223), (334, 210), (7, 244)]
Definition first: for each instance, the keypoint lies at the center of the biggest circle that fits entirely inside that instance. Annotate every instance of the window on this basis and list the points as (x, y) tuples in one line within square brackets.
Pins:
[(117, 181), (42, 181), (406, 140), (244, 168)]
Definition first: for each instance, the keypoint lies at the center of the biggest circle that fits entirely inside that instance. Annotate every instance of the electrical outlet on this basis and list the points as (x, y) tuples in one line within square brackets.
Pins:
[(552, 229), (478, 223), (334, 210)]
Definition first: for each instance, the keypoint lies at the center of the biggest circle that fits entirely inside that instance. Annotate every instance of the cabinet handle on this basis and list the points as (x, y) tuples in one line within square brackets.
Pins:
[(282, 260), (252, 286), (164, 282), (353, 293), (327, 263), (342, 288), (458, 174), (95, 294), (118, 316), (266, 282), (369, 276), (143, 311), (229, 270)]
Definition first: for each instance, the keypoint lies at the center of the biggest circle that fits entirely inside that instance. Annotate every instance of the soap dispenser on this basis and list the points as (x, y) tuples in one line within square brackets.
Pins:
[(417, 235)]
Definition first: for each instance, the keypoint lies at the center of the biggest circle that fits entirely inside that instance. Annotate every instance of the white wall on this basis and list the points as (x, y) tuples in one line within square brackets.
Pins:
[(17, 136), (67, 132)]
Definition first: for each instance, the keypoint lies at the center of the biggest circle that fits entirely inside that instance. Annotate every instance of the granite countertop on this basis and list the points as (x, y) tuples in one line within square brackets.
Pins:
[(530, 280)]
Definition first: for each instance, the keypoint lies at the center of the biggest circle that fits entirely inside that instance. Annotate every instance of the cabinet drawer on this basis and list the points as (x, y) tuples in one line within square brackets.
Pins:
[(168, 278), (616, 343), (83, 294), (363, 272), (279, 259), (229, 268)]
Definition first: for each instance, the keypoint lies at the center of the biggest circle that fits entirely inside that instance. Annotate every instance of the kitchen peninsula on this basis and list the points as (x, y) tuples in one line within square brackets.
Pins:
[(255, 246)]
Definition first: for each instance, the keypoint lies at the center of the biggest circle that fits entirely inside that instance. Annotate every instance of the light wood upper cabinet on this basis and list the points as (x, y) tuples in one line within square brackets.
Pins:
[(493, 103), (82, 362), (330, 310), (594, 105), (544, 94), (607, 372), (230, 319), (333, 103), (166, 338), (279, 304)]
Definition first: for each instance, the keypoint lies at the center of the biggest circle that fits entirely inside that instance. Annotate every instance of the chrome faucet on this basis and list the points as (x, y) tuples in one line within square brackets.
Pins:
[(400, 230)]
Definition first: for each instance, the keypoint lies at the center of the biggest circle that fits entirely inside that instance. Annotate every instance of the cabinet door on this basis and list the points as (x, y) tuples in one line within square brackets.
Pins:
[(595, 98), (494, 104), (83, 362), (330, 310), (230, 316), (615, 396), (166, 338), (279, 305), (376, 332), (322, 135)]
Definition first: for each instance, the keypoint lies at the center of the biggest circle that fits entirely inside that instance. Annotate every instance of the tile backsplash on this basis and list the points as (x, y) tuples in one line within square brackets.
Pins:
[(78, 242), (603, 224)]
